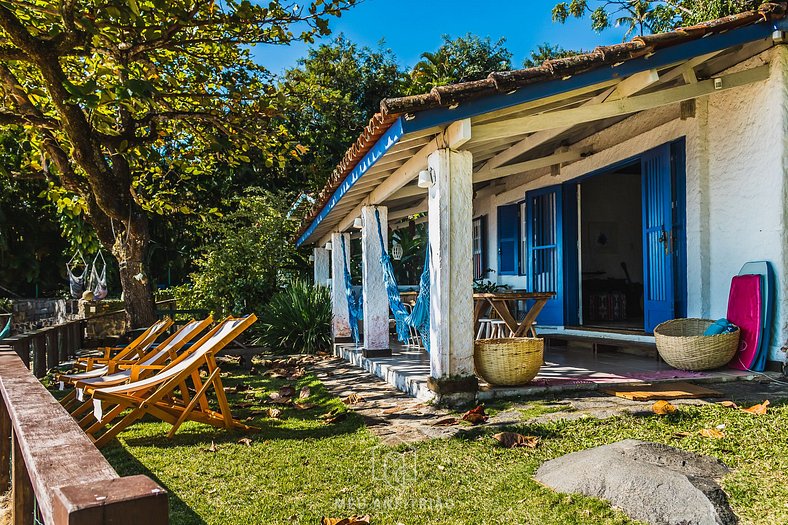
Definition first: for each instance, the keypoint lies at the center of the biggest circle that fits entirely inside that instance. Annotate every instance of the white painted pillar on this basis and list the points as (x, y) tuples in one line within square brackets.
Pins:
[(322, 265), (376, 302), (341, 322), (451, 264)]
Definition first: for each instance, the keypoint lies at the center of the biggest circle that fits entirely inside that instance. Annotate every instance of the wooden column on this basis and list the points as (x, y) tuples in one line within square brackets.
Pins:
[(322, 265), (5, 448), (376, 302), (451, 276), (341, 323), (23, 496)]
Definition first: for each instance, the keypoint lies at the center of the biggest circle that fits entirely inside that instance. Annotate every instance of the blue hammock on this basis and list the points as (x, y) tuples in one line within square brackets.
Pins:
[(5, 332), (403, 319), (419, 317), (354, 307)]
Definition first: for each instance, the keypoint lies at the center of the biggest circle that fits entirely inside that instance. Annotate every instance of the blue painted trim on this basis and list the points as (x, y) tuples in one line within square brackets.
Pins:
[(664, 57), (383, 144), (570, 255), (678, 159)]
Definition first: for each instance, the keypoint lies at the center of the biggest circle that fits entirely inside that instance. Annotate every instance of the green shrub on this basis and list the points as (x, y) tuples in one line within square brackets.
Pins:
[(298, 319)]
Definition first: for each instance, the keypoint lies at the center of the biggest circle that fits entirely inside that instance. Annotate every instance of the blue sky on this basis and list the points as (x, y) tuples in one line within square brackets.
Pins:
[(410, 27)]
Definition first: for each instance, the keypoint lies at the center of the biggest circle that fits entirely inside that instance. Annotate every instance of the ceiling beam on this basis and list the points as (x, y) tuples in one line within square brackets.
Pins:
[(421, 207), (583, 114), (528, 165), (408, 191), (454, 136), (537, 139), (634, 84)]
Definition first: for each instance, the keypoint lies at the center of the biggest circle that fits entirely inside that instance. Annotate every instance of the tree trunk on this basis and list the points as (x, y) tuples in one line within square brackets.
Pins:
[(131, 250)]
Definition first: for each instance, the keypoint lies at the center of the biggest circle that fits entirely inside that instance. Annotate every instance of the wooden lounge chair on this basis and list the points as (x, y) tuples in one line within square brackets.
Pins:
[(135, 348), (119, 371), (156, 395)]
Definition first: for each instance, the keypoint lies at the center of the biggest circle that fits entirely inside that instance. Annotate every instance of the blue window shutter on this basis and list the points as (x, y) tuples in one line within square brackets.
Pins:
[(509, 239)]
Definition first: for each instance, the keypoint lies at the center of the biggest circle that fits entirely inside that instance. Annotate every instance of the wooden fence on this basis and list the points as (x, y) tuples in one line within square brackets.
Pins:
[(55, 474), (48, 347)]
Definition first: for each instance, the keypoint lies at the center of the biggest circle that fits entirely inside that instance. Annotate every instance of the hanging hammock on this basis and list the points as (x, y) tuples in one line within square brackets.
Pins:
[(5, 332), (403, 319), (76, 283), (98, 280), (354, 307), (419, 317)]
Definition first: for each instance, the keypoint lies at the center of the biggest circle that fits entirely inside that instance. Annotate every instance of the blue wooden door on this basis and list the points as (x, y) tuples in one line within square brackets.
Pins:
[(545, 254), (658, 238)]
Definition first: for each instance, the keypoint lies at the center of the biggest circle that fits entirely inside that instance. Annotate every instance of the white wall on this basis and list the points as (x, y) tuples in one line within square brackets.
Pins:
[(737, 154)]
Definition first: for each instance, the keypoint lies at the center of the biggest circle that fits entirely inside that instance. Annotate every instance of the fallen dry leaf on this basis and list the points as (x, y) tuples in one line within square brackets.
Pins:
[(680, 435), (353, 399), (728, 404), (212, 448), (341, 416), (475, 416), (759, 409), (394, 410), (278, 398), (446, 422), (352, 520), (245, 441), (273, 413), (712, 433), (304, 405), (662, 408), (304, 393), (287, 391), (515, 440)]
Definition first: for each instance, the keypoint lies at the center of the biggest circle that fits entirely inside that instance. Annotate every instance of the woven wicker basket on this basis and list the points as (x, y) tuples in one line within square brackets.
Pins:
[(508, 362), (682, 345)]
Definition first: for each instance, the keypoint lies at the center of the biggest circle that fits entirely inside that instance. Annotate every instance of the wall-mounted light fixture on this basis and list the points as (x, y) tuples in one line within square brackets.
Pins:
[(357, 223), (328, 246), (311, 258), (426, 178)]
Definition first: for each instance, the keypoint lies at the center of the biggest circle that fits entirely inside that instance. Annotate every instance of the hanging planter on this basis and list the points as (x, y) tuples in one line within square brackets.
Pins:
[(396, 251)]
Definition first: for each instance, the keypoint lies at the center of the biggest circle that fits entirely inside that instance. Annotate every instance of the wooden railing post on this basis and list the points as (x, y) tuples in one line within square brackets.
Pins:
[(53, 356), (5, 448), (39, 354), (23, 496), (62, 348)]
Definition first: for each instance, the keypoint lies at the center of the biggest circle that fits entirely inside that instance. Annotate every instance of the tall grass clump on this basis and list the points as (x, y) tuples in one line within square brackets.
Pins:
[(298, 319)]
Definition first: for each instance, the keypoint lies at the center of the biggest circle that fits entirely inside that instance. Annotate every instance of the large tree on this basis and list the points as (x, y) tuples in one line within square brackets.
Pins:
[(461, 59), (128, 103), (646, 16), (332, 94)]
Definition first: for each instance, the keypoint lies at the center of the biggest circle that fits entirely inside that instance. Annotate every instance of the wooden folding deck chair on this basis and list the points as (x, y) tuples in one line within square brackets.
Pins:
[(157, 395), (121, 371), (135, 348)]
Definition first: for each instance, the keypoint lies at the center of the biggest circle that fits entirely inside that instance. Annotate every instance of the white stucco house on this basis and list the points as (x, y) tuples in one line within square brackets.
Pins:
[(652, 169)]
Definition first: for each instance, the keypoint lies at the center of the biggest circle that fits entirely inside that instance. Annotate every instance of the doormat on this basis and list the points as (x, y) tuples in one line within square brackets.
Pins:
[(648, 392)]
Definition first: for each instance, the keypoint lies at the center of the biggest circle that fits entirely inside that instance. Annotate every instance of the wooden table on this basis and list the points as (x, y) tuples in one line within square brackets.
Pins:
[(503, 303)]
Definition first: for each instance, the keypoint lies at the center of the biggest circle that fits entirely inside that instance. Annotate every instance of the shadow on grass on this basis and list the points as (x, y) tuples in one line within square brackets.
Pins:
[(126, 464)]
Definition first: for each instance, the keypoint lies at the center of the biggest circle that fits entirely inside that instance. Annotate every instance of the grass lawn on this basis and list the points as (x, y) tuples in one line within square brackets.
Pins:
[(299, 468)]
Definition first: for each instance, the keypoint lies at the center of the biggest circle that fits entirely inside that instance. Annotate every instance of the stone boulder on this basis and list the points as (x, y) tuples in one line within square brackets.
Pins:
[(655, 483)]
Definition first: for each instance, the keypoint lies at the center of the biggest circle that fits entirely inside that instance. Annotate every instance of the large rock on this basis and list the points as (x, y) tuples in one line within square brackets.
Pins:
[(651, 482)]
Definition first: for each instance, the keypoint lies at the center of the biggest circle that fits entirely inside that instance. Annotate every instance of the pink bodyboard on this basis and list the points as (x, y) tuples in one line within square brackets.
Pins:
[(744, 310)]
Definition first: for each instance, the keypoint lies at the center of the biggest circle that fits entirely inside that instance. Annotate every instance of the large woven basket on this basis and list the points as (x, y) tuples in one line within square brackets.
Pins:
[(682, 345), (508, 362)]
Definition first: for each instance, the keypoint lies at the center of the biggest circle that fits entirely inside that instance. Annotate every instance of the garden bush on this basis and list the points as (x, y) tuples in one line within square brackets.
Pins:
[(298, 319)]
